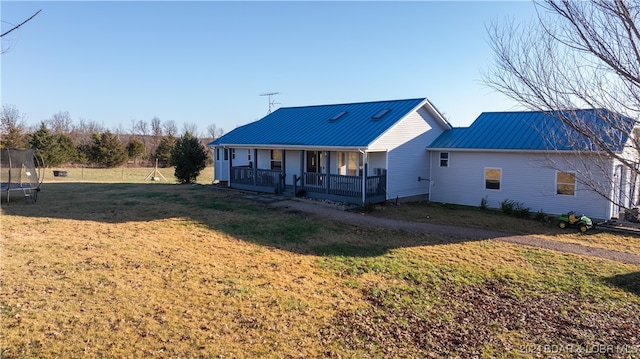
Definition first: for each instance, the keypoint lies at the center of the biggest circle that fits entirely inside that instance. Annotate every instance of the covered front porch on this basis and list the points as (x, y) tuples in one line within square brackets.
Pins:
[(342, 176)]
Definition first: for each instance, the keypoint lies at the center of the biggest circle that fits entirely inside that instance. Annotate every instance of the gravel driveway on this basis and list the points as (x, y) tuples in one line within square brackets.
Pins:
[(362, 220)]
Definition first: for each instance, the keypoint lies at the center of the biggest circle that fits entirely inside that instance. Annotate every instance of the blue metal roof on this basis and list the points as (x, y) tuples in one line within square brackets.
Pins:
[(317, 126), (537, 130)]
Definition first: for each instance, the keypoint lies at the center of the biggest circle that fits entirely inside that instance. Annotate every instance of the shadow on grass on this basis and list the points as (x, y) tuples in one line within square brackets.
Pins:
[(629, 282), (230, 212)]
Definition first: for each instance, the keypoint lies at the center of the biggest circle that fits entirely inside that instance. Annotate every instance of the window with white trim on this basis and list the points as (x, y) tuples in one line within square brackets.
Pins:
[(276, 160), (492, 178), (566, 183), (444, 159), (350, 163)]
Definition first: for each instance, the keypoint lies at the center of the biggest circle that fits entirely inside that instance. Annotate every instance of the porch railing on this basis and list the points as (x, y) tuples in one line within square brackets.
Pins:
[(249, 176), (321, 185)]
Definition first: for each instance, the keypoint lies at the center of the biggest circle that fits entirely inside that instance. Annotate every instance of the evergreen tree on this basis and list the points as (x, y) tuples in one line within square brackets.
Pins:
[(135, 148), (189, 157), (163, 152), (64, 150), (53, 149), (41, 141), (107, 150)]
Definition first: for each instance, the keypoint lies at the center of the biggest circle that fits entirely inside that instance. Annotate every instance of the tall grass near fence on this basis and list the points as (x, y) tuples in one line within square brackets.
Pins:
[(123, 174)]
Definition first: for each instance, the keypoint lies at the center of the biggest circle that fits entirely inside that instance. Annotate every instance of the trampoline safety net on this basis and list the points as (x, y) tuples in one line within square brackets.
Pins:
[(18, 173)]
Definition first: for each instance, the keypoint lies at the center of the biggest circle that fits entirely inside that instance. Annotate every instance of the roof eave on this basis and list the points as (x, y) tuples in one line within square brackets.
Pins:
[(435, 113), (290, 147), (498, 150)]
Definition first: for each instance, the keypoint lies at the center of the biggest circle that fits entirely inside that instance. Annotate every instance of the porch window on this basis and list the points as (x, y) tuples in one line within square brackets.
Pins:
[(249, 155), (350, 163), (444, 159), (276, 160), (492, 178), (566, 183), (233, 153)]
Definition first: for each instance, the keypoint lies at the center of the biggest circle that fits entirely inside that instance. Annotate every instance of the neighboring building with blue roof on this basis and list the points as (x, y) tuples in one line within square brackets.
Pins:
[(353, 152), (533, 158)]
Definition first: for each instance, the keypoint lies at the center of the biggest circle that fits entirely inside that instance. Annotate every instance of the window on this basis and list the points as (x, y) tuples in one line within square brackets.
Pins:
[(226, 154), (444, 159), (233, 153), (217, 154), (492, 178), (337, 116), (249, 155), (566, 183), (276, 160), (350, 163), (380, 114)]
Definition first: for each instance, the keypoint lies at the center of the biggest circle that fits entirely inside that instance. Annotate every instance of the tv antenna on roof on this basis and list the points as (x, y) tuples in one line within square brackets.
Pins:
[(271, 101)]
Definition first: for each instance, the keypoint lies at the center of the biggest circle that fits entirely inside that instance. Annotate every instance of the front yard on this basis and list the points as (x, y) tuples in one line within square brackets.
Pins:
[(161, 270)]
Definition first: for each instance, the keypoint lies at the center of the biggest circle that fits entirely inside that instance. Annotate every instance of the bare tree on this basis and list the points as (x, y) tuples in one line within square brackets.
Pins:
[(170, 128), (190, 127), (61, 123), (12, 128), (575, 55), (2, 51), (141, 129), (214, 132), (156, 134), (82, 132)]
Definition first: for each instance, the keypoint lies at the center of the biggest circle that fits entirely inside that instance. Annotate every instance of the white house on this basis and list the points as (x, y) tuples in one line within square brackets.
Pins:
[(355, 152), (534, 159)]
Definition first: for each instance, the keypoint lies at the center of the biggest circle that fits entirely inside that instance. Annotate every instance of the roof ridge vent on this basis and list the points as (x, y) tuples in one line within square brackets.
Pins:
[(380, 114), (338, 116)]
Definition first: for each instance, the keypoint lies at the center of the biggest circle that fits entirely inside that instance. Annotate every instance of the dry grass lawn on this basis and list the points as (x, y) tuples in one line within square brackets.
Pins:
[(474, 217), (162, 270)]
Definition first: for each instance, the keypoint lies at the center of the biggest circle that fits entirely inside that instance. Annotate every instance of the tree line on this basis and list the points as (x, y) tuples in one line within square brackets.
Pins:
[(60, 141)]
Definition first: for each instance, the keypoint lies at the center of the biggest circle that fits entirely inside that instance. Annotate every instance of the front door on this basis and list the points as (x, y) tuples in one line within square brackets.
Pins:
[(314, 168)]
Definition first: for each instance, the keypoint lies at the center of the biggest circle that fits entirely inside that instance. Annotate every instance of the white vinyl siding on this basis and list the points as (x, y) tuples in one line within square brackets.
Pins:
[(525, 178), (407, 157), (221, 165), (292, 165)]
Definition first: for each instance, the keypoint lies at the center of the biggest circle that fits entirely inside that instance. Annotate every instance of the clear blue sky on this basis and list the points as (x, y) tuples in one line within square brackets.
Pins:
[(207, 62)]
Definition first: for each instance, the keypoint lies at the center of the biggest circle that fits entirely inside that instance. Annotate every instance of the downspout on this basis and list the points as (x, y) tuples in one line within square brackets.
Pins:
[(364, 175), (612, 194), (430, 175)]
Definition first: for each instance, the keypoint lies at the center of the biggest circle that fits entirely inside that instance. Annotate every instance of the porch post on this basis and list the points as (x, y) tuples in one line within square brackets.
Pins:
[(284, 170), (255, 166), (364, 178), (302, 168), (327, 171), (230, 165)]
